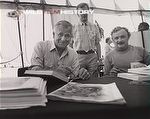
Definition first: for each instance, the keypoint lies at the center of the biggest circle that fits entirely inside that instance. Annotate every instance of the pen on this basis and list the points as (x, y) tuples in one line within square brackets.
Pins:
[(73, 79), (123, 70), (118, 69)]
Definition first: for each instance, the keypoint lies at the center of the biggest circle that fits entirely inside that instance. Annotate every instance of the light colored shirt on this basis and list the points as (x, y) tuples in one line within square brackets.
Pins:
[(123, 60), (85, 37), (46, 55)]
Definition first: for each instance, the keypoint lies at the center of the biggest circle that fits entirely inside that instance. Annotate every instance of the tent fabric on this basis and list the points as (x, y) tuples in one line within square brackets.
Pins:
[(110, 4), (32, 24), (37, 5)]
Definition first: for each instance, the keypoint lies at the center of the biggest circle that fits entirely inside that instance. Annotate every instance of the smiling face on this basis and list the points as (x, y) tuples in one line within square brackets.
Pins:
[(62, 35), (120, 39)]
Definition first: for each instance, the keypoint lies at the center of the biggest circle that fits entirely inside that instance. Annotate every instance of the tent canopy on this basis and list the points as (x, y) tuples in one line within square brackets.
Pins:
[(102, 6), (109, 4), (125, 13)]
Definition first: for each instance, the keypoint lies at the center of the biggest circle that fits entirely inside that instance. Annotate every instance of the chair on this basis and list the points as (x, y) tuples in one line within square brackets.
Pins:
[(21, 71)]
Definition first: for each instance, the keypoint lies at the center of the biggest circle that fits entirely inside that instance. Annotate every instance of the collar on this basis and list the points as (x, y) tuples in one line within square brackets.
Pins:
[(84, 24), (65, 52), (52, 45)]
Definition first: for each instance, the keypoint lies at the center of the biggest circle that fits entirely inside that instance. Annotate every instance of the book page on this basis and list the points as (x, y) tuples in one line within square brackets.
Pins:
[(19, 83), (98, 93)]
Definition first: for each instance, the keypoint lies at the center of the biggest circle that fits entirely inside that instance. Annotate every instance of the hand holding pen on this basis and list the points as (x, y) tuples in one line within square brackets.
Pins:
[(115, 70)]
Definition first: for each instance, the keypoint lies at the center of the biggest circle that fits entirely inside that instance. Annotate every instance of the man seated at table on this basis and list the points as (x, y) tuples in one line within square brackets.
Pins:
[(56, 55), (121, 58)]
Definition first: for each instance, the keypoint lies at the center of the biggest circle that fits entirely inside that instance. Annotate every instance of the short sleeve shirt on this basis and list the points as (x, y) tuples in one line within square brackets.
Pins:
[(123, 59), (85, 37), (45, 54)]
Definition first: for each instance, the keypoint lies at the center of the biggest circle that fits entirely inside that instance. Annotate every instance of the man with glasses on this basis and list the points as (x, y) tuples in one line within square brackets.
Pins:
[(56, 55), (120, 59)]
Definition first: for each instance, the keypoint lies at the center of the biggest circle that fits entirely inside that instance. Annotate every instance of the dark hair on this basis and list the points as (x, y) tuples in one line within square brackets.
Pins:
[(82, 5), (118, 28), (107, 39), (143, 26)]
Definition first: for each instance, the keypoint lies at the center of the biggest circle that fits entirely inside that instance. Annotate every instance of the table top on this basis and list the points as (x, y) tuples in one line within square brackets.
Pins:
[(136, 96)]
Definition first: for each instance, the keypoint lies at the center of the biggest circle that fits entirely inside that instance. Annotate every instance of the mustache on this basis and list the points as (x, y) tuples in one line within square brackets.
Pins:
[(65, 41), (120, 42)]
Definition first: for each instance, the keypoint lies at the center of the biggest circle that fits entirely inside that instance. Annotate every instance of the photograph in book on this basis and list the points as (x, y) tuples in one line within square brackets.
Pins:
[(94, 93)]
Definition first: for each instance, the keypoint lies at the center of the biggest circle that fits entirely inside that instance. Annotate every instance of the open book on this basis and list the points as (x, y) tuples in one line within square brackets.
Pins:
[(41, 73), (89, 93)]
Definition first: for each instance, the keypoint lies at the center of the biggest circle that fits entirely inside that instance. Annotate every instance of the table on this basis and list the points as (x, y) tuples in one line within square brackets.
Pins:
[(136, 96)]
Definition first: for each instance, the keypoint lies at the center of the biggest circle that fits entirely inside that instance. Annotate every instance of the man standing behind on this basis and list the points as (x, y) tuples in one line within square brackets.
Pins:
[(56, 55), (123, 55), (86, 38)]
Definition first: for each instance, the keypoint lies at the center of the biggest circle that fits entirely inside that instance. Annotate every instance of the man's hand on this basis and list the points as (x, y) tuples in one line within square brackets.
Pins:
[(137, 65), (115, 70), (84, 74), (64, 69)]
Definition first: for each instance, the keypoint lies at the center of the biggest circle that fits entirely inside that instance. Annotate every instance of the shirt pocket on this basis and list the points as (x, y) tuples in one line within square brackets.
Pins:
[(92, 35)]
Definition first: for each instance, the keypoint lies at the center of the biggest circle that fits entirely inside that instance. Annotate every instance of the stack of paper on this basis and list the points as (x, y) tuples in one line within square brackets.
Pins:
[(140, 74), (89, 93), (132, 76), (22, 92), (143, 70)]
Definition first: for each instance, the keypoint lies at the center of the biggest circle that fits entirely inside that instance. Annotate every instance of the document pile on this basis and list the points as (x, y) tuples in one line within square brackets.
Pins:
[(140, 74), (142, 70), (22, 92), (89, 93)]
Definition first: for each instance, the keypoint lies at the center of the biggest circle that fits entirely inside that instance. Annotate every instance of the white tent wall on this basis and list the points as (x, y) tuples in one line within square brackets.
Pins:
[(9, 38), (34, 33), (32, 26), (0, 42), (31, 32), (72, 18)]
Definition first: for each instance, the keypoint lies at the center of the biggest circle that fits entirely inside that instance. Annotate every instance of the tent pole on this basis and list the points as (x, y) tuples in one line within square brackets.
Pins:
[(20, 41), (143, 39), (43, 18), (43, 23), (19, 33), (141, 15), (142, 31)]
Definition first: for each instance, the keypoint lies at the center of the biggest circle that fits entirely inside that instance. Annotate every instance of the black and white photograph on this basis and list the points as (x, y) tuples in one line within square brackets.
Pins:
[(90, 93), (74, 59)]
